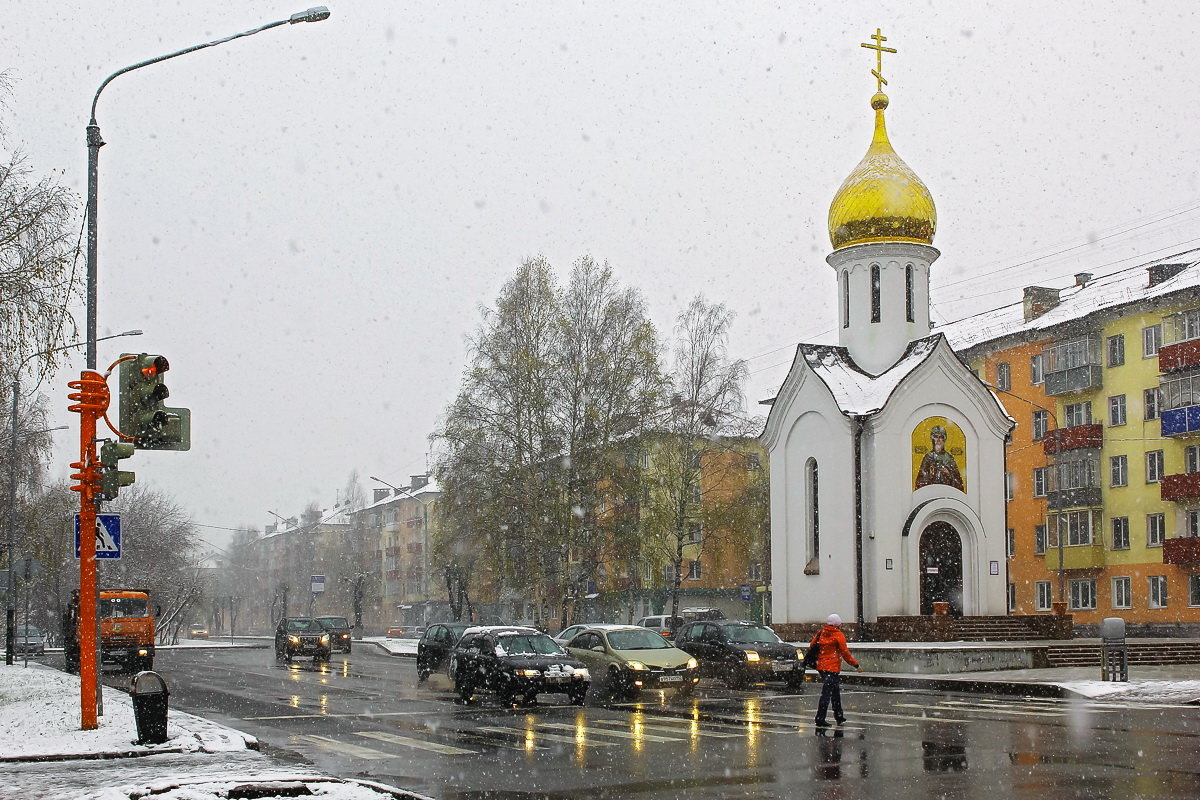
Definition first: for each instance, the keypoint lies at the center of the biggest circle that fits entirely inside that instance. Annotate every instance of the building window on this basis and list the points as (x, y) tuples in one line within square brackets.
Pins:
[(1041, 593), (908, 292), (693, 533), (1035, 369), (1191, 458), (1078, 414), (1008, 486), (756, 571), (1150, 404), (695, 494), (1120, 533), (1116, 350), (1154, 466), (1041, 421), (1121, 594), (1012, 597), (1076, 526), (1010, 542), (1004, 376), (1156, 529), (1116, 410), (1192, 524), (1158, 591), (1118, 470), (1039, 481), (1194, 590), (694, 570), (1179, 392), (813, 498), (753, 462), (1151, 341), (669, 574), (874, 293), (1083, 594), (845, 299), (1039, 540)]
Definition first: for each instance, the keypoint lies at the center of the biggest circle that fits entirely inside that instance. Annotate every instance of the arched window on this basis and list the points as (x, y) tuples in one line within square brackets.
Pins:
[(845, 299), (908, 292), (812, 520), (874, 293)]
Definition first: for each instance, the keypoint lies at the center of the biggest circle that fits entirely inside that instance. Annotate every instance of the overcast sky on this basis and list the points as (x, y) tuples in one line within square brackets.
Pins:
[(306, 221)]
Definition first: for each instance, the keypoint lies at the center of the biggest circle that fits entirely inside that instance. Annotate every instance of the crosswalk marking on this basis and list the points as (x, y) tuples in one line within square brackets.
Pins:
[(708, 723), (346, 748), (1010, 712), (792, 718), (552, 737), (668, 728), (495, 740), (437, 747), (648, 737)]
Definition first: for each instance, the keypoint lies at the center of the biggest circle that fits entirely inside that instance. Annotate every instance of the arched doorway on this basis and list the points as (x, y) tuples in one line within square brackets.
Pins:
[(941, 565)]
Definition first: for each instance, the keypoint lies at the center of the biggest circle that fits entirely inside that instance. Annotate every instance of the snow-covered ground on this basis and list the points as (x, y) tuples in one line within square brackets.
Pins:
[(45, 755)]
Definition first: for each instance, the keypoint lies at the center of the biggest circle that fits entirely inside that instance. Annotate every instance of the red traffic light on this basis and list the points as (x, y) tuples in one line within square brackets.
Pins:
[(154, 368)]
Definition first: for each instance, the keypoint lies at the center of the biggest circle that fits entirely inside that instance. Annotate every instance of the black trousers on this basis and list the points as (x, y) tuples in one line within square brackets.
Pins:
[(831, 689)]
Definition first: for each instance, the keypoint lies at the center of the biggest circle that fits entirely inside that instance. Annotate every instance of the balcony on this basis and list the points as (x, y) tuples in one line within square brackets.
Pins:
[(1181, 421), (1073, 438), (1080, 497), (1073, 365), (1076, 379), (1175, 357), (1184, 552), (1185, 486), (1076, 556)]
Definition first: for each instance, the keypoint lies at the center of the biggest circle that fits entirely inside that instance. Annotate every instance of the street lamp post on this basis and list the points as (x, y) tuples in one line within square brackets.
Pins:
[(13, 462), (87, 551)]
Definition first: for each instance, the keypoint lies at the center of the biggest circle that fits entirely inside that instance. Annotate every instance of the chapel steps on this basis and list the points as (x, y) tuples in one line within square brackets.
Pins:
[(1087, 654)]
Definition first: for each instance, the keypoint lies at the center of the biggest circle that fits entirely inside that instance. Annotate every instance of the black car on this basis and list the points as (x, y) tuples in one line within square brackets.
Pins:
[(515, 662), (301, 636), (741, 652), (435, 646), (339, 633)]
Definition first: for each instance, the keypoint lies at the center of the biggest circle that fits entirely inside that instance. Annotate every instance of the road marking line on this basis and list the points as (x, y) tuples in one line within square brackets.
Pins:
[(648, 737), (707, 722), (854, 714), (352, 750), (669, 728), (436, 747), (551, 737), (1018, 713), (494, 740)]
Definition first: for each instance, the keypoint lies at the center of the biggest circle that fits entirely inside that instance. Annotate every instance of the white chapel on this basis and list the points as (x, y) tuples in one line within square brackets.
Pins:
[(886, 451)]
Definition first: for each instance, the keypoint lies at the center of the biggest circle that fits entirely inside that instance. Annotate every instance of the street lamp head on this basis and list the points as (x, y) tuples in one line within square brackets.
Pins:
[(314, 14)]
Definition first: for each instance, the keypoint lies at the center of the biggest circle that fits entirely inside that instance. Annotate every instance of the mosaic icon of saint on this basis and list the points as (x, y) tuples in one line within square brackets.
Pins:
[(938, 466)]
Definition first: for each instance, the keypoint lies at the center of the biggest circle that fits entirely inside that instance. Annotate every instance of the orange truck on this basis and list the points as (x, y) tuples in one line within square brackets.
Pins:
[(126, 629)]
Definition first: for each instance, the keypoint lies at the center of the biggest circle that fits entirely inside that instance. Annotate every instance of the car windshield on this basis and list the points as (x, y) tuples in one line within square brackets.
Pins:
[(637, 640), (302, 625), (750, 633), (123, 607), (333, 622), (528, 645)]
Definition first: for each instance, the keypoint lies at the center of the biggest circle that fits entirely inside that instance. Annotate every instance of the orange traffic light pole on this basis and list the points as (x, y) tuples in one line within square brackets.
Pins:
[(91, 403)]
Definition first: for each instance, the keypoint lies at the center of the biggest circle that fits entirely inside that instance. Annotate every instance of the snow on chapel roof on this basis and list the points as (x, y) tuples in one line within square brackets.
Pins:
[(855, 391)]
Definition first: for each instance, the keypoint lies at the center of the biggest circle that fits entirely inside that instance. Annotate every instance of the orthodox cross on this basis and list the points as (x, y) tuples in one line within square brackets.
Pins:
[(879, 49)]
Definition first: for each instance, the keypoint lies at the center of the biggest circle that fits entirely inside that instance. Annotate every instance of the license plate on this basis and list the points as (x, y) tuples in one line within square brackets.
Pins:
[(557, 678), (670, 678), (783, 666)]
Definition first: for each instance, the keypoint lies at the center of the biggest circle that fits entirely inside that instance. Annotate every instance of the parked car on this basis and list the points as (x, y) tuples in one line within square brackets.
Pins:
[(396, 632), (339, 633), (29, 641), (436, 645), (301, 636), (568, 633), (663, 624), (630, 658), (515, 661), (197, 631), (741, 652)]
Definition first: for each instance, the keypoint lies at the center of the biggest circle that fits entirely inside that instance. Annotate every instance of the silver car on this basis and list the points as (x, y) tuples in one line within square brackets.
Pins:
[(30, 641)]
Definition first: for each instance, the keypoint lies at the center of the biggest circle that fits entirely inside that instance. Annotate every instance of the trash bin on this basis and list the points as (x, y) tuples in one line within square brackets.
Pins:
[(1114, 654), (149, 692)]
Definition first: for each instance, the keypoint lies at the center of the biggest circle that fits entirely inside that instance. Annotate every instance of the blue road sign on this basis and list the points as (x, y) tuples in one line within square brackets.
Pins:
[(108, 536), (745, 591)]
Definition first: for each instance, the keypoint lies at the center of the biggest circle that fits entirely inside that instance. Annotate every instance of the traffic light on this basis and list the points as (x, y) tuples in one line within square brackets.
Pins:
[(143, 415), (112, 479)]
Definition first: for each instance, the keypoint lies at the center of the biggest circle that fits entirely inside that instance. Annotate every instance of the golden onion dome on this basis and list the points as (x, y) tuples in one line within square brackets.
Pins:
[(882, 200)]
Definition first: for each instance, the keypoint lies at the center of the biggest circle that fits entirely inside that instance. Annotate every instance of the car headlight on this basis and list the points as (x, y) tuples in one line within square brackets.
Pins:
[(529, 673), (751, 655), (294, 639), (800, 655), (637, 665), (693, 663), (325, 638)]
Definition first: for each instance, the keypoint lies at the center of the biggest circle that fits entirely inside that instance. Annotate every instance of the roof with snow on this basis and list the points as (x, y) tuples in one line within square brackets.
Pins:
[(855, 391), (1129, 285)]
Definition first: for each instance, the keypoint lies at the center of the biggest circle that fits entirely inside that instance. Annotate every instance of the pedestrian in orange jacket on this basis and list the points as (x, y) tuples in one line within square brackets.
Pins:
[(831, 649)]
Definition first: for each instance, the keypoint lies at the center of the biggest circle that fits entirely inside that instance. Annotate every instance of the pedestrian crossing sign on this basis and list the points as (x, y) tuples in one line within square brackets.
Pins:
[(108, 536)]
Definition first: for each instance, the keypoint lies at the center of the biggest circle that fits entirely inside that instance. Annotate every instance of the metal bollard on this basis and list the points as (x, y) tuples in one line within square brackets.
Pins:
[(149, 692)]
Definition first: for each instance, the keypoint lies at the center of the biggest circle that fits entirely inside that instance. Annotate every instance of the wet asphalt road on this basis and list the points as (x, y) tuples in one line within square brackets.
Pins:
[(364, 715)]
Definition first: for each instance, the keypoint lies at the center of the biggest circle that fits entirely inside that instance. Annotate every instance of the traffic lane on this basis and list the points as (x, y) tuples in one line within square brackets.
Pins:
[(382, 724)]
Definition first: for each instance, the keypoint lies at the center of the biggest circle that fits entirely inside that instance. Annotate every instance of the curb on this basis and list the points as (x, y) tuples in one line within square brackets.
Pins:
[(1010, 688)]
